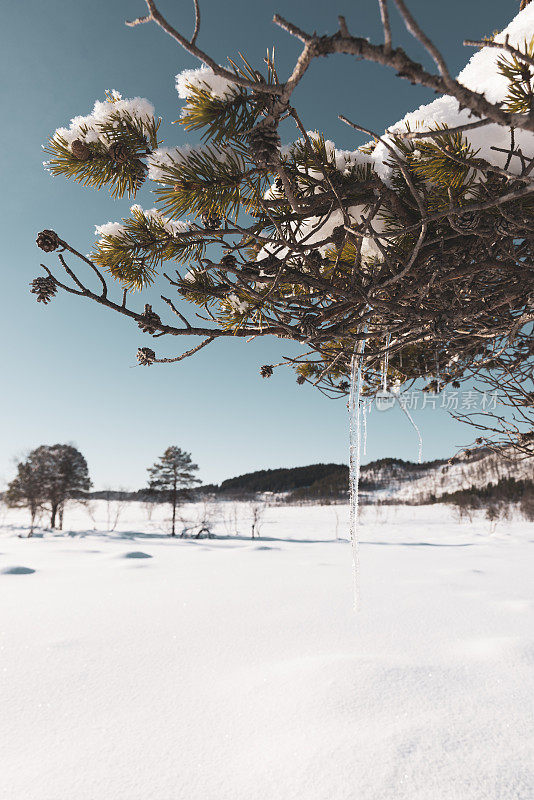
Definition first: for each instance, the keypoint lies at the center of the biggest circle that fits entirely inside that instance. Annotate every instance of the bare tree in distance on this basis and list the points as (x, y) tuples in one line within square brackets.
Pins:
[(115, 503), (257, 513)]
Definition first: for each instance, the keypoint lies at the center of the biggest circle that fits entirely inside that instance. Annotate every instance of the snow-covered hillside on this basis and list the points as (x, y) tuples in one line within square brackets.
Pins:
[(417, 484), (136, 667)]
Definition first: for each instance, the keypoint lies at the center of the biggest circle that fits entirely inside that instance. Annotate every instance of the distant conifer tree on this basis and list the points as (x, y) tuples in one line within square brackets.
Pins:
[(173, 474)]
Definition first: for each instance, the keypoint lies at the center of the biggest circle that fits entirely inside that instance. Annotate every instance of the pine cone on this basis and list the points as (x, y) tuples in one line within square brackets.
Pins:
[(314, 259), (211, 222), (308, 326), (338, 236), (44, 288), (466, 222), (47, 240), (228, 260), (263, 143), (344, 386), (139, 170), (151, 321), (119, 152), (146, 356), (301, 379), (80, 150), (266, 371)]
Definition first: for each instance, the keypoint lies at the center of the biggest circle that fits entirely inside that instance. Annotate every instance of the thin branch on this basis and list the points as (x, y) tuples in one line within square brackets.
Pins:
[(483, 166), (482, 206), (427, 43), (64, 286), (186, 354), (292, 29), (197, 22), (501, 46), (469, 126), (178, 314), (70, 273), (155, 16), (384, 14), (395, 155), (343, 26), (411, 70), (121, 309), (95, 269)]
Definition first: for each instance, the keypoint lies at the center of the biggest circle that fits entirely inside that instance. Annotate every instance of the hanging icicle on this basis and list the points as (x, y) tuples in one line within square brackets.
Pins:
[(420, 455), (355, 455), (385, 364), (365, 411), (438, 376)]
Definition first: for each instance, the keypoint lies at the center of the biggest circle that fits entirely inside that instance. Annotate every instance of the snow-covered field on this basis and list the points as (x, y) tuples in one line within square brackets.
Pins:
[(136, 667)]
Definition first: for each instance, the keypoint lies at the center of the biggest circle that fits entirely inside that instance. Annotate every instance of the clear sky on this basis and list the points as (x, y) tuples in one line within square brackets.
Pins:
[(69, 372)]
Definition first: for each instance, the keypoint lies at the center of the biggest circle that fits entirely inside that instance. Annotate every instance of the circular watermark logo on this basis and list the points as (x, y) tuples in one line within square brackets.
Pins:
[(384, 401)]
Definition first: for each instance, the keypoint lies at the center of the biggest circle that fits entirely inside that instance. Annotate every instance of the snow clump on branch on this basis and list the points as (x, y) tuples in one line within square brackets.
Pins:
[(203, 78), (480, 75), (118, 229), (89, 127)]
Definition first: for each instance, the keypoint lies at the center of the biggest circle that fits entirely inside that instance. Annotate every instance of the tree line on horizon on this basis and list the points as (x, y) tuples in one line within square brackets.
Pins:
[(51, 475)]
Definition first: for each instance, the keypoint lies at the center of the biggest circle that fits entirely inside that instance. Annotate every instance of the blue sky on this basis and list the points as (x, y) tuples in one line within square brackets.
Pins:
[(69, 372)]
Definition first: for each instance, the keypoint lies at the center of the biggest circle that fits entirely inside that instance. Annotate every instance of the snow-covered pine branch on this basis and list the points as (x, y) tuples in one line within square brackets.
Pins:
[(419, 243)]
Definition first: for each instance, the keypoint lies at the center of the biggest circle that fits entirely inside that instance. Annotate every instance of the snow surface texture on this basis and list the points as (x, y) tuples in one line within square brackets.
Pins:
[(232, 669)]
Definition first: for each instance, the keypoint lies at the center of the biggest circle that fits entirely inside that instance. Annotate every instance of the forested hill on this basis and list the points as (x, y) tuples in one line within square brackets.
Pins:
[(283, 479), (318, 480), (384, 480)]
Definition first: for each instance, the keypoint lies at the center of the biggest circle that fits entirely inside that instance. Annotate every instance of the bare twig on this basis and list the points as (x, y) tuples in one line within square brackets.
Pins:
[(469, 126), (178, 314), (197, 22), (155, 16), (384, 15), (186, 354), (427, 43), (501, 46)]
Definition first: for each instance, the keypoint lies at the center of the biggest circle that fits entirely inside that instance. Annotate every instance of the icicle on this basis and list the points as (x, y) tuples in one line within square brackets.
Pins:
[(365, 410), (438, 376), (385, 364), (354, 455), (420, 456)]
